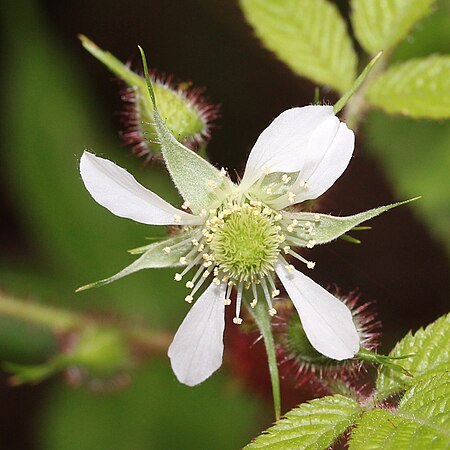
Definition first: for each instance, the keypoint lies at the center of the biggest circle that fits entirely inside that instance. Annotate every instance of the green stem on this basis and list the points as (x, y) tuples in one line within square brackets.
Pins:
[(262, 320), (58, 320)]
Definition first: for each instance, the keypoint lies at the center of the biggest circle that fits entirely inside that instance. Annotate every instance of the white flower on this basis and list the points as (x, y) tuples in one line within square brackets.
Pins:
[(239, 236)]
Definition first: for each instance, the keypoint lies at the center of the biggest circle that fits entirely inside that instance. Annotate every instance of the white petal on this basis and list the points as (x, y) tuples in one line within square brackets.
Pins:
[(282, 145), (326, 320), (118, 191), (328, 155), (197, 348)]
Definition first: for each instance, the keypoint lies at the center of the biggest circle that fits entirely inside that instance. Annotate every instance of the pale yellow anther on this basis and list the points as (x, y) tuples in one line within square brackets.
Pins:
[(285, 178), (201, 247), (267, 211), (290, 267), (286, 249), (227, 302), (182, 259), (188, 298), (177, 218), (206, 274), (307, 224), (206, 257), (216, 281), (166, 250), (311, 243), (189, 284), (194, 242), (291, 197), (275, 293), (278, 217), (177, 277), (216, 271), (272, 311), (207, 263), (237, 320), (310, 264), (290, 228), (253, 303), (317, 217), (223, 172), (185, 205)]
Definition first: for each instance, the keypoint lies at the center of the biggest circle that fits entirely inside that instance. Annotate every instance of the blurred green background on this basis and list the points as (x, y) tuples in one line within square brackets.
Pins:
[(57, 100)]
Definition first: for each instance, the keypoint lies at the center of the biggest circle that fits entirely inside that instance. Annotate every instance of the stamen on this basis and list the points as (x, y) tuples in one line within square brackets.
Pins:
[(166, 250), (188, 298), (177, 218), (266, 294), (177, 277), (254, 302), (309, 264), (185, 205), (182, 260), (237, 320)]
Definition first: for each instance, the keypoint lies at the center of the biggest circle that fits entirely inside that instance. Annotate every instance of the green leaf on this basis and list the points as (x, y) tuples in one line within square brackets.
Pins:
[(313, 425), (417, 88), (380, 25), (154, 257), (431, 350), (310, 36), (421, 421), (327, 228)]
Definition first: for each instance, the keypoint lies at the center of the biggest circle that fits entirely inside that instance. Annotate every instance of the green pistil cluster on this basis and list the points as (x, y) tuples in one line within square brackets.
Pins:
[(245, 241)]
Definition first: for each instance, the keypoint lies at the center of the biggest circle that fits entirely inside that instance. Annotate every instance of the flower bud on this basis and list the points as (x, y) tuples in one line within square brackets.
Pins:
[(186, 112)]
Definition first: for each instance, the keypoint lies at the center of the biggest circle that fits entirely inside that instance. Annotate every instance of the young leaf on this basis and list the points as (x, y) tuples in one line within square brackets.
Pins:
[(329, 228), (415, 88), (430, 348), (380, 25), (309, 36), (313, 425), (421, 421)]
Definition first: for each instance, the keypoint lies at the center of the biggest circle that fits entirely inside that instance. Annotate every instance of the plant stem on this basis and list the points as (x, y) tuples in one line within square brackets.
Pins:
[(59, 321)]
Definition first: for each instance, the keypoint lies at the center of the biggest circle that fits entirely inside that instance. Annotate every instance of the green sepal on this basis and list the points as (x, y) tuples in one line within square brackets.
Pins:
[(383, 360), (356, 84), (34, 374), (328, 228), (154, 257), (198, 182)]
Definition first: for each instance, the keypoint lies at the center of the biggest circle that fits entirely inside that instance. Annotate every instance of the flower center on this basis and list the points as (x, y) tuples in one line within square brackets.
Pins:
[(245, 241)]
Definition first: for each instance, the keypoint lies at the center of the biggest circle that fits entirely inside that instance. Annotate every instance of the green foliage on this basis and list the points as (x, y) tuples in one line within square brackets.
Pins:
[(309, 36), (415, 158), (313, 425), (329, 228), (431, 349), (415, 88), (382, 24), (421, 421)]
